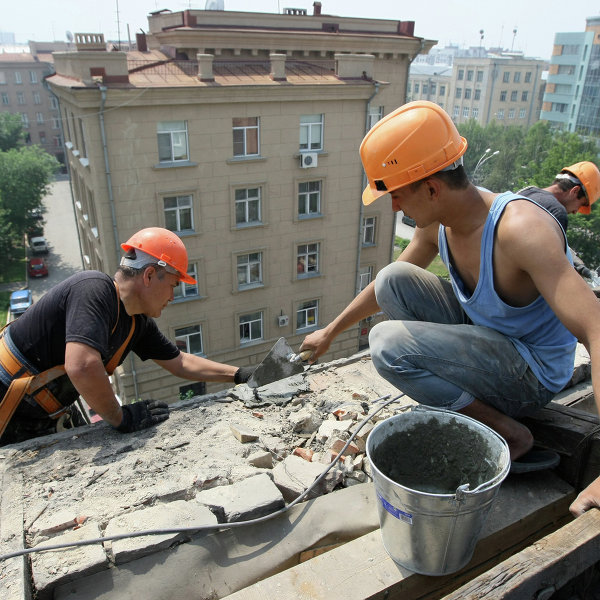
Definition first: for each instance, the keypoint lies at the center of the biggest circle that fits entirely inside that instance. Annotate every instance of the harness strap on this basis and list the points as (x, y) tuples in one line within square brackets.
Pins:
[(12, 398)]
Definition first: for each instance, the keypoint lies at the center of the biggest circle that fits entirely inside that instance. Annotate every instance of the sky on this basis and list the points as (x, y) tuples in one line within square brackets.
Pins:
[(449, 22)]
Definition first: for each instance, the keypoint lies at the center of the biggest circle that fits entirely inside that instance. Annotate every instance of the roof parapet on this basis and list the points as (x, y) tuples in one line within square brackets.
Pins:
[(93, 66), (354, 66)]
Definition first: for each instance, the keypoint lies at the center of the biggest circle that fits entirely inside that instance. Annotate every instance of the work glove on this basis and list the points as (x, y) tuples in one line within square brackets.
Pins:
[(243, 374), (142, 415)]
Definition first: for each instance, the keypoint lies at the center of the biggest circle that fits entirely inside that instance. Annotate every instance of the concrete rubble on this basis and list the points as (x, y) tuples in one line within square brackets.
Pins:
[(222, 458)]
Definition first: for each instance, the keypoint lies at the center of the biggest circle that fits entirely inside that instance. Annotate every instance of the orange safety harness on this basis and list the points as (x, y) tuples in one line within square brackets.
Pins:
[(25, 382)]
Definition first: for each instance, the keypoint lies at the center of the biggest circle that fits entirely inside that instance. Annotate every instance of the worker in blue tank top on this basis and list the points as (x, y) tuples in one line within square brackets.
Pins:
[(498, 340)]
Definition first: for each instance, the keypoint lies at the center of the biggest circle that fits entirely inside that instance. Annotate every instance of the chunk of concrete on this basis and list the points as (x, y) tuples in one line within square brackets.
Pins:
[(261, 460), (162, 516), (306, 420), (50, 569), (294, 475), (243, 434), (327, 428), (248, 499)]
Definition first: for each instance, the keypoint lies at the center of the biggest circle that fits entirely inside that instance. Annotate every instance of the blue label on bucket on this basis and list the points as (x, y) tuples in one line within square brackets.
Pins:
[(395, 512)]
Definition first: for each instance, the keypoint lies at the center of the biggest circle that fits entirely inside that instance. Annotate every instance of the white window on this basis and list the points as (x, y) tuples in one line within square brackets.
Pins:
[(511, 113), (365, 276), (20, 98), (5, 99), (475, 113), (307, 314), (375, 114), (188, 290), (53, 102), (40, 118), (179, 213), (172, 141), (466, 112), (456, 112), (307, 259), (246, 140), (249, 270), (309, 198), (18, 77), (32, 77), (311, 132), (368, 236), (25, 119), (251, 327), (500, 114), (189, 339), (247, 206), (522, 113), (2, 77), (36, 98), (56, 125)]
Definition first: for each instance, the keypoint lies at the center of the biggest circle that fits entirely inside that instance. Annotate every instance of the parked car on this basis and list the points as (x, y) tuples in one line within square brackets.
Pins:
[(36, 267), (20, 301), (39, 245)]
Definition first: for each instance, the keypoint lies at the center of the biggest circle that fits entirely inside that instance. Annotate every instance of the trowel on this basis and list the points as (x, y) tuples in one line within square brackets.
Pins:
[(279, 363)]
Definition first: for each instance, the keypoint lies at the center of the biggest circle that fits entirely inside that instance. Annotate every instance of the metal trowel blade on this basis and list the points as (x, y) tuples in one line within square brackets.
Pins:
[(276, 365)]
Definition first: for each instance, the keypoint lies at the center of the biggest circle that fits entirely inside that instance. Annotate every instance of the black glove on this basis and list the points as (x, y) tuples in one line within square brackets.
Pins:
[(141, 415), (243, 374)]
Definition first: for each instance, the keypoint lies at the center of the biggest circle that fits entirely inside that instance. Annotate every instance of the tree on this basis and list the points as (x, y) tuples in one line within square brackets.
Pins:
[(11, 131)]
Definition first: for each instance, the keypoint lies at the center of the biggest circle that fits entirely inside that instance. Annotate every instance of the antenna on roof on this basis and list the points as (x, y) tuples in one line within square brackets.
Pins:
[(215, 5), (69, 36)]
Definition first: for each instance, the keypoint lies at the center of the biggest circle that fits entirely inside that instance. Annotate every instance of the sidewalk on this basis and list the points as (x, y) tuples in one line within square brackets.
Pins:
[(13, 286)]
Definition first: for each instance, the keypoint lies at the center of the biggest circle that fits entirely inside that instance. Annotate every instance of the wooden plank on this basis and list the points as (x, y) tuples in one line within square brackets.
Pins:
[(363, 569), (542, 568)]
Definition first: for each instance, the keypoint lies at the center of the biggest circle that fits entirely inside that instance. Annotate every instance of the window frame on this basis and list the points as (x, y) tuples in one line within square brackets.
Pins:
[(303, 307), (305, 251), (245, 141), (249, 282), (237, 201), (257, 316), (183, 132), (187, 291), (369, 227), (186, 338), (307, 197), (308, 126), (366, 270), (178, 210)]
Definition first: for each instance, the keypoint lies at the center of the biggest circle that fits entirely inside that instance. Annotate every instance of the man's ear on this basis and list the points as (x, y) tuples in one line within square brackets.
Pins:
[(433, 187), (148, 275)]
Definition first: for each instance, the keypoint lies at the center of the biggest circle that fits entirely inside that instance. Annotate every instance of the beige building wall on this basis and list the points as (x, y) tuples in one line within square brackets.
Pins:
[(116, 117)]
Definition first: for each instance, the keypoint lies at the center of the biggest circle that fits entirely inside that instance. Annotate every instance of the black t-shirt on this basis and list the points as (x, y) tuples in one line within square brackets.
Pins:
[(84, 309), (549, 202)]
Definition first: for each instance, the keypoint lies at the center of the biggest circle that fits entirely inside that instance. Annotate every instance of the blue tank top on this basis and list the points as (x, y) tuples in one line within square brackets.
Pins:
[(536, 332)]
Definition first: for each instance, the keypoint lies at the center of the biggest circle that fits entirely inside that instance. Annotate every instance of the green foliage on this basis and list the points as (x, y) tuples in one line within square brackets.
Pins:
[(25, 175), (11, 131), (584, 236)]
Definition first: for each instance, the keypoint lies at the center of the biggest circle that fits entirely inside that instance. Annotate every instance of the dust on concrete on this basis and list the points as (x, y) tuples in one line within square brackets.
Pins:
[(436, 457)]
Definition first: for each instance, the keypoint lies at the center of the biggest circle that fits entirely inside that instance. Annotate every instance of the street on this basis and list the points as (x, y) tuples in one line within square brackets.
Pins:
[(60, 231)]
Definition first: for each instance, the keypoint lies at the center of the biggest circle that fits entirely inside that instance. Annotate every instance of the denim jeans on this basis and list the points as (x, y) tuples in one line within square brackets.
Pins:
[(430, 350)]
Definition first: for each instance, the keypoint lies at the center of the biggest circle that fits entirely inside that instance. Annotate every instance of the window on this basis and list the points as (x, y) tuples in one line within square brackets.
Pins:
[(425, 89), (513, 96), (178, 213), (458, 93), (466, 112), (566, 69), (522, 113), (307, 314), (470, 75), (368, 231), (416, 88), (5, 99), (25, 119), (479, 76), (517, 76), (506, 77), (36, 98), (475, 112), (53, 102), (2, 78), (524, 96), (249, 270), (20, 98), (500, 114), (251, 327), (461, 74), (32, 77), (56, 125), (477, 95), (307, 260), (511, 113), (456, 112), (433, 88), (309, 198), (375, 114), (365, 276), (198, 388), (467, 93), (42, 137), (189, 339), (245, 136), (18, 77), (172, 141), (442, 90), (187, 290), (311, 131), (528, 77), (247, 207), (40, 118)]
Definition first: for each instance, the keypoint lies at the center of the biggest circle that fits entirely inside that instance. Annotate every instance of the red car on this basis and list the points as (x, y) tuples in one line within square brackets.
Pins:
[(36, 267)]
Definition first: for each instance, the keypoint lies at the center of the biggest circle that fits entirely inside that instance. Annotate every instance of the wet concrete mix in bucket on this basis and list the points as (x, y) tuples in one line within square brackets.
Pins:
[(436, 457)]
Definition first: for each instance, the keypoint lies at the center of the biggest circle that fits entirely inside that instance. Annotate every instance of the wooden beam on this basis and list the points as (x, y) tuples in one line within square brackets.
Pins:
[(542, 568)]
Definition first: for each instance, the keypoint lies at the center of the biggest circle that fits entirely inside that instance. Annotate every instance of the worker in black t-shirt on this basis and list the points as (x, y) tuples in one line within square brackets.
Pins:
[(63, 346)]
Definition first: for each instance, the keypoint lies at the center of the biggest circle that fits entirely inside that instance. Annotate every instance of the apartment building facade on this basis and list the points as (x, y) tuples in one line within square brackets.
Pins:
[(430, 82), (240, 132), (572, 96), (23, 92)]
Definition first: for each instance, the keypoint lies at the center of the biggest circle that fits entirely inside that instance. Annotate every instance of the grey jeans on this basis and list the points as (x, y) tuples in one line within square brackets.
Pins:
[(431, 351)]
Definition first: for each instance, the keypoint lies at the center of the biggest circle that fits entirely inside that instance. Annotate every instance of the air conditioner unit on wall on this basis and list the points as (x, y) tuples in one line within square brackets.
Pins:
[(283, 320), (309, 159)]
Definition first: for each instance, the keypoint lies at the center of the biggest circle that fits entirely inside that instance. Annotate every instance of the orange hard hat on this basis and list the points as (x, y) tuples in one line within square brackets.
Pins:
[(163, 245), (588, 175), (413, 142)]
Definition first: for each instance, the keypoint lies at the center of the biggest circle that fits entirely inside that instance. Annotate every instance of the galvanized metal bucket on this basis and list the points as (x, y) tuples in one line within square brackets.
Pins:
[(436, 533)]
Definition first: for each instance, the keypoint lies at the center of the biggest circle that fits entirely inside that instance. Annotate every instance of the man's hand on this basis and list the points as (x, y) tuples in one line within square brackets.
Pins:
[(317, 341), (142, 415), (588, 498), (243, 374)]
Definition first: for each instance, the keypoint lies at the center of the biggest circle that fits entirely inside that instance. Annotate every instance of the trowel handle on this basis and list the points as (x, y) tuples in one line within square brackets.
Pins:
[(305, 355)]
